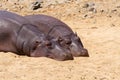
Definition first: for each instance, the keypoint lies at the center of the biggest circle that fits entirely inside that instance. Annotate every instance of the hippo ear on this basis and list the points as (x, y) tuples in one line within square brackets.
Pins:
[(76, 34), (60, 39), (37, 42), (48, 43)]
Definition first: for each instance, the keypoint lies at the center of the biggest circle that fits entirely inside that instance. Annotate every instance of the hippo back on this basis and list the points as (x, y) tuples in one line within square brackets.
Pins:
[(50, 25), (13, 16), (61, 31)]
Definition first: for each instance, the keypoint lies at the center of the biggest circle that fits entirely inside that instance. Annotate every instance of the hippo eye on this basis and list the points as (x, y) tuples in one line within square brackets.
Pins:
[(77, 38), (36, 44), (60, 40), (48, 44), (68, 42)]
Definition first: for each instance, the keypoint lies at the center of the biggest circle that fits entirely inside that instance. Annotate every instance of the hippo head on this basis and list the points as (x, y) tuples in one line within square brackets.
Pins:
[(75, 45), (50, 49)]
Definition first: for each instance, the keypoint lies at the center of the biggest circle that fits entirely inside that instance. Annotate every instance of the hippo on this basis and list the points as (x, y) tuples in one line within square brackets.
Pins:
[(61, 31), (23, 38)]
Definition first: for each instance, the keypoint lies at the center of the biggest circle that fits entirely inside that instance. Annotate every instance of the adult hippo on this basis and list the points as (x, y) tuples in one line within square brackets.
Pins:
[(24, 38), (61, 31)]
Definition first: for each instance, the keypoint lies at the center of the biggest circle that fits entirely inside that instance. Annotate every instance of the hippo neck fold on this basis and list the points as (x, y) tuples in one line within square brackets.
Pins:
[(27, 34), (20, 43), (57, 29)]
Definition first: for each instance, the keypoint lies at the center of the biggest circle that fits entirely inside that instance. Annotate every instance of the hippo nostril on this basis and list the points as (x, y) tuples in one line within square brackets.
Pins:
[(68, 42), (84, 52)]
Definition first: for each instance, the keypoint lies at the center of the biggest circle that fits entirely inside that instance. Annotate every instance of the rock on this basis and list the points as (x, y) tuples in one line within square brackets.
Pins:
[(117, 6), (36, 5), (85, 5), (102, 10), (85, 16), (114, 10), (55, 2), (89, 4), (93, 10)]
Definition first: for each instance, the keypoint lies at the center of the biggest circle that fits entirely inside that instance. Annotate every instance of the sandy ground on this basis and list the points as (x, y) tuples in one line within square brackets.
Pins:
[(100, 33)]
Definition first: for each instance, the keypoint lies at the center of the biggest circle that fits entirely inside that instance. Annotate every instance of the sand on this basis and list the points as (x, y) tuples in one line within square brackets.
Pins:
[(99, 32)]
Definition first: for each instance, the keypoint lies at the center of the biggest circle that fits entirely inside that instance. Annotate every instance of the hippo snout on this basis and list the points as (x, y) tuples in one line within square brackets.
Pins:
[(68, 57), (80, 52), (84, 53), (64, 57)]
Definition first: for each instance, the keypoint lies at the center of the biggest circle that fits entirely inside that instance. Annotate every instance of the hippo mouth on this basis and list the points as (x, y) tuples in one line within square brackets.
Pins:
[(63, 58)]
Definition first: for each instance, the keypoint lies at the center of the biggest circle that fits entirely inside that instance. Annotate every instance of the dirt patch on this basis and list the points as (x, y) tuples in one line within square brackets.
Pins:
[(95, 21)]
